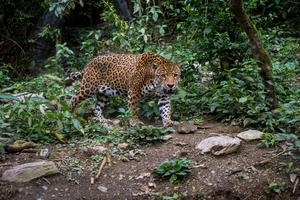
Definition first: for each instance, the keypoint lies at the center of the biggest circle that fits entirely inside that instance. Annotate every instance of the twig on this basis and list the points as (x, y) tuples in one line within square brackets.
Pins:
[(235, 171), (101, 167), (92, 180), (270, 159), (295, 185), (199, 166), (30, 150), (23, 52), (46, 180), (204, 127), (108, 158)]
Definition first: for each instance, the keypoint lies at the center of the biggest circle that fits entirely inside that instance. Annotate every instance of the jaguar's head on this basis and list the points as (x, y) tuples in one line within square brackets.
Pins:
[(167, 75)]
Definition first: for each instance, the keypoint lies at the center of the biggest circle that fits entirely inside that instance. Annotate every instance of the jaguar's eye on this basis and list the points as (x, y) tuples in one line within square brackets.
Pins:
[(163, 75), (176, 75)]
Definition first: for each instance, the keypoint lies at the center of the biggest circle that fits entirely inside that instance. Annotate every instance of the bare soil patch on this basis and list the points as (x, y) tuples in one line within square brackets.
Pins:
[(234, 176)]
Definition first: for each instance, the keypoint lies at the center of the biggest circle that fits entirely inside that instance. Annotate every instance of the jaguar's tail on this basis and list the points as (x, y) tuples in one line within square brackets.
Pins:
[(71, 76)]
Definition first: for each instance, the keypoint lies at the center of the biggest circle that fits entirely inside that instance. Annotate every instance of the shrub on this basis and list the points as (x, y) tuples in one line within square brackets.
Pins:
[(142, 134), (175, 170)]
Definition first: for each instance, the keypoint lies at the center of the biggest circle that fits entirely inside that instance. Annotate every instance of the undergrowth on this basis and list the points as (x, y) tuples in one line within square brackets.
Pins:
[(219, 74)]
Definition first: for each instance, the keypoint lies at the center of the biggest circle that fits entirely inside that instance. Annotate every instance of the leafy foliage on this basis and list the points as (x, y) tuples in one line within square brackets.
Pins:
[(141, 134), (175, 170), (39, 119), (276, 186), (268, 140)]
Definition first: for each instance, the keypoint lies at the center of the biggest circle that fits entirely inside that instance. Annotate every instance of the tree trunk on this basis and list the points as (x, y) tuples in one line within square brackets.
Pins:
[(123, 9), (42, 47), (264, 60)]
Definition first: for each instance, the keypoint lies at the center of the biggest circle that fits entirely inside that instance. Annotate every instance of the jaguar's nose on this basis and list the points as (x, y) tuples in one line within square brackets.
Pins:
[(170, 86)]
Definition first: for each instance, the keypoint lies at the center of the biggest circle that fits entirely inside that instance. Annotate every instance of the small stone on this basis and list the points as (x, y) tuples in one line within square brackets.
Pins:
[(29, 171), (186, 128), (145, 189), (102, 188), (152, 185), (250, 135), (121, 176), (199, 132), (143, 175), (123, 145), (45, 187), (293, 177), (167, 137), (44, 153), (219, 145), (180, 144), (124, 159)]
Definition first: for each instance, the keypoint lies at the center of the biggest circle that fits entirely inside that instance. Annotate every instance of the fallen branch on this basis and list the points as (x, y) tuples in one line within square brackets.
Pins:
[(295, 185), (101, 167), (108, 158), (46, 180), (30, 150), (269, 159)]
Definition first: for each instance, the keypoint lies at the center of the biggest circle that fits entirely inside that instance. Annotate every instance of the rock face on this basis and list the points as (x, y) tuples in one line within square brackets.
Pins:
[(250, 135), (186, 128), (219, 145), (29, 171)]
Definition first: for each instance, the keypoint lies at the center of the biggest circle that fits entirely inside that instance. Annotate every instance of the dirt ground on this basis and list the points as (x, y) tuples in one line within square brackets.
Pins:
[(234, 176)]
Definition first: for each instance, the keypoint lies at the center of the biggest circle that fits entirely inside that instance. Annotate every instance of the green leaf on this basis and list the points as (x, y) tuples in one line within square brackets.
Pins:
[(297, 143), (77, 125), (206, 31), (81, 3), (41, 108), (7, 96), (173, 178), (243, 99), (59, 136), (155, 16)]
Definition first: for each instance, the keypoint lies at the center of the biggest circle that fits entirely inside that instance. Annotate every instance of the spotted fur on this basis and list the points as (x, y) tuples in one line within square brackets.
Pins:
[(128, 75)]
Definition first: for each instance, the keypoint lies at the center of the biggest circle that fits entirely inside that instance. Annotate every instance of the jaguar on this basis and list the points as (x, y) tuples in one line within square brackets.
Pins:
[(130, 75)]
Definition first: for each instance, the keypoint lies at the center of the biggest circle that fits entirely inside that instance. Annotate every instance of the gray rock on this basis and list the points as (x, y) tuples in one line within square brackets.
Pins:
[(102, 188), (29, 171), (186, 128), (44, 153), (167, 137), (250, 135), (219, 145)]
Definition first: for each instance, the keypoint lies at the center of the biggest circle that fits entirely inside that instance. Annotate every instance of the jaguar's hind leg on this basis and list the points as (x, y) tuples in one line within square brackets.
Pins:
[(84, 93), (100, 104)]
